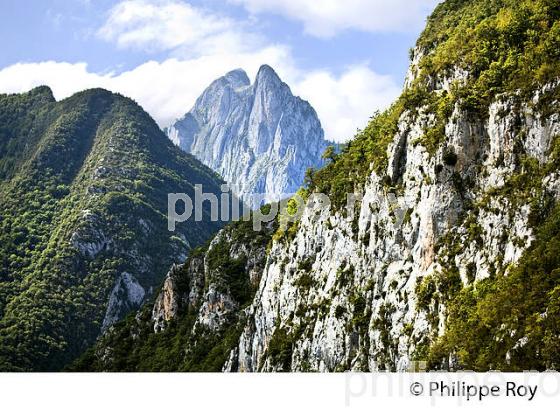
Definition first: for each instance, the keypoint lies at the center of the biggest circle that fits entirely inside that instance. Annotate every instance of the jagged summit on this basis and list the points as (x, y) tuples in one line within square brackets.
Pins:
[(238, 78), (259, 137), (267, 74)]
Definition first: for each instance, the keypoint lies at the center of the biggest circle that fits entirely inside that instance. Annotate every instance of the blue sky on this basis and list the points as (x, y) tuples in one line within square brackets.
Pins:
[(348, 58)]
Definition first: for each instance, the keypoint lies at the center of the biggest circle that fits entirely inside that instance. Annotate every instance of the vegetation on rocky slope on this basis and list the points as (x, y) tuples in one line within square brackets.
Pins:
[(220, 267), (509, 320), (490, 49), (84, 186), (503, 46)]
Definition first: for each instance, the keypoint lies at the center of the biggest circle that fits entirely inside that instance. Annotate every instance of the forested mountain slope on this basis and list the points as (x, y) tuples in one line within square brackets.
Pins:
[(83, 219)]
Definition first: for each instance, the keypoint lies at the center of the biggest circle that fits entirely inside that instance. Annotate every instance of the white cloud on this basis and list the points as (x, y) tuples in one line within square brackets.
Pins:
[(328, 17), (345, 103), (64, 78), (160, 25), (168, 89)]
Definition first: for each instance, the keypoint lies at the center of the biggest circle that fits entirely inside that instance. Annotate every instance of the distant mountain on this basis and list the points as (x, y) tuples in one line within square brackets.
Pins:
[(83, 219), (259, 137)]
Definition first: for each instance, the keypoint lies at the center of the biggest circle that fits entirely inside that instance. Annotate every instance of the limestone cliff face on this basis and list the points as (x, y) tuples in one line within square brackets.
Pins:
[(343, 293), (358, 306), (205, 285), (259, 137), (198, 313), (166, 305)]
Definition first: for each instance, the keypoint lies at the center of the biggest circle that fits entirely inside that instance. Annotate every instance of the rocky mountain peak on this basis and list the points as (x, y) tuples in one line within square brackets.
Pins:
[(267, 76), (259, 137), (238, 78)]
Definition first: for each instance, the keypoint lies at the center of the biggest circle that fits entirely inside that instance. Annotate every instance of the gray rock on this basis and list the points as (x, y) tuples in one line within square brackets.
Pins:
[(127, 294), (258, 137), (388, 256)]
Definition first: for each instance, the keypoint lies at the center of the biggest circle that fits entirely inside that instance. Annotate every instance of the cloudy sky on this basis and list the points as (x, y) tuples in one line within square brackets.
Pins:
[(346, 57)]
